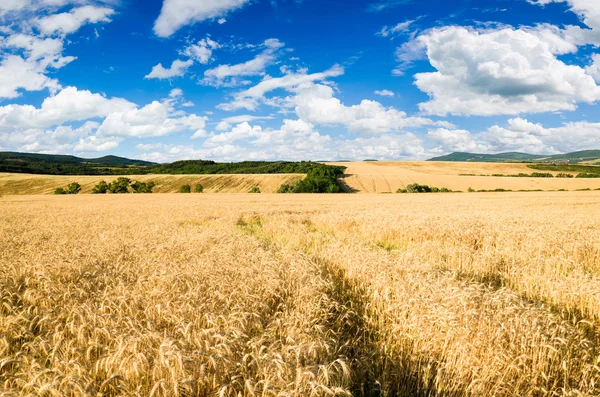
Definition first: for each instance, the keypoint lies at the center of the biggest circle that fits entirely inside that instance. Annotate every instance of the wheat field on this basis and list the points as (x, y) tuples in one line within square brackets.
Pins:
[(300, 295), (387, 177), (26, 184)]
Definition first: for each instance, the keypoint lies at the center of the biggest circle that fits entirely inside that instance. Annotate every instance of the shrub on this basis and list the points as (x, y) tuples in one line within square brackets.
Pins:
[(542, 175), (471, 190), (587, 175), (101, 188), (120, 185), (73, 188), (416, 188), (563, 175), (185, 189), (285, 188), (141, 187), (255, 189), (198, 188)]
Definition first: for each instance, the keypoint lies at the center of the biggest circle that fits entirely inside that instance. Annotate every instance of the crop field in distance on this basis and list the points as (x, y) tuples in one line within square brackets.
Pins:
[(25, 184), (387, 177), (475, 294), (359, 177)]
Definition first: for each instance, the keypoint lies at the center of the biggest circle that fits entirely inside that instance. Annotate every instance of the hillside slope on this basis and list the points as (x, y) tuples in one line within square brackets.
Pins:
[(387, 177), (25, 184), (584, 156)]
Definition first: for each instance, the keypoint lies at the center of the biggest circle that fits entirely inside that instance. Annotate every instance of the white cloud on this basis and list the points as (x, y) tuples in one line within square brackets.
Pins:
[(12, 5), (178, 13), (382, 5), (520, 135), (402, 27), (27, 71), (384, 93), (504, 71), (245, 118), (456, 141), (239, 132), (177, 69), (316, 104), (17, 73), (152, 120), (589, 12), (201, 52), (250, 98), (594, 68), (69, 22), (223, 126), (227, 74), (221, 21), (69, 105), (61, 139)]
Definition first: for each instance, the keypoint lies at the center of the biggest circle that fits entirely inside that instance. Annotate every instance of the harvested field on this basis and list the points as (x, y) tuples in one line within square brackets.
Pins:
[(300, 295), (386, 177), (11, 184)]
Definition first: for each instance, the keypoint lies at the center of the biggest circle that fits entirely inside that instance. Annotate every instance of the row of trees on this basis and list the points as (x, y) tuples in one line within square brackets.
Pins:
[(122, 185)]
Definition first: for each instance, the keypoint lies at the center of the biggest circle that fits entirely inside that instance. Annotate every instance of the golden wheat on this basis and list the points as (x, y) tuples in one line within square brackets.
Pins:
[(300, 295)]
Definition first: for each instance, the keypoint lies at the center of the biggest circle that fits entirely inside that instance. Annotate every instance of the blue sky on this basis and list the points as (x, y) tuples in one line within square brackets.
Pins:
[(230, 80)]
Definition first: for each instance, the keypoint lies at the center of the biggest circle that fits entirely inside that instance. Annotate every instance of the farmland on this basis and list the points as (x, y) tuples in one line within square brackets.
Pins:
[(387, 177), (471, 294), (359, 177), (23, 184)]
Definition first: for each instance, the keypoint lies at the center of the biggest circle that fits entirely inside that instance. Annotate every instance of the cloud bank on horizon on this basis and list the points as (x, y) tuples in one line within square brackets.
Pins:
[(229, 80)]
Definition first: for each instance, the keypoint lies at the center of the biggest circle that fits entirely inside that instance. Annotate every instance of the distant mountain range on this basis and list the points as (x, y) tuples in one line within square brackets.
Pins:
[(586, 156), (64, 159)]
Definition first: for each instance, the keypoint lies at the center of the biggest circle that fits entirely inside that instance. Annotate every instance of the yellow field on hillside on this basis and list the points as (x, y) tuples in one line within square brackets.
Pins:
[(24, 184), (385, 177), (300, 295)]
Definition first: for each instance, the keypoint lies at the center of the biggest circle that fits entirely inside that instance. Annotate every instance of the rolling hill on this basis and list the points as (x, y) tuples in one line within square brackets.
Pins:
[(585, 156), (16, 157)]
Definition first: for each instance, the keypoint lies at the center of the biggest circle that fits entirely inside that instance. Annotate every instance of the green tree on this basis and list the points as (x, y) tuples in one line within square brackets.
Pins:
[(142, 187), (120, 185), (185, 189), (73, 188), (101, 188), (59, 190), (198, 188), (255, 189)]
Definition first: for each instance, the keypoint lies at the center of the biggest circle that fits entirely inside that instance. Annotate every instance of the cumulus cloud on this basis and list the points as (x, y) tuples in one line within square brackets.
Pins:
[(202, 51), (317, 105), (49, 128), (384, 93), (69, 22), (26, 59), (68, 105), (594, 68), (178, 13), (178, 68), (60, 139), (228, 74), (520, 135), (589, 12), (27, 69), (506, 71), (152, 120)]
